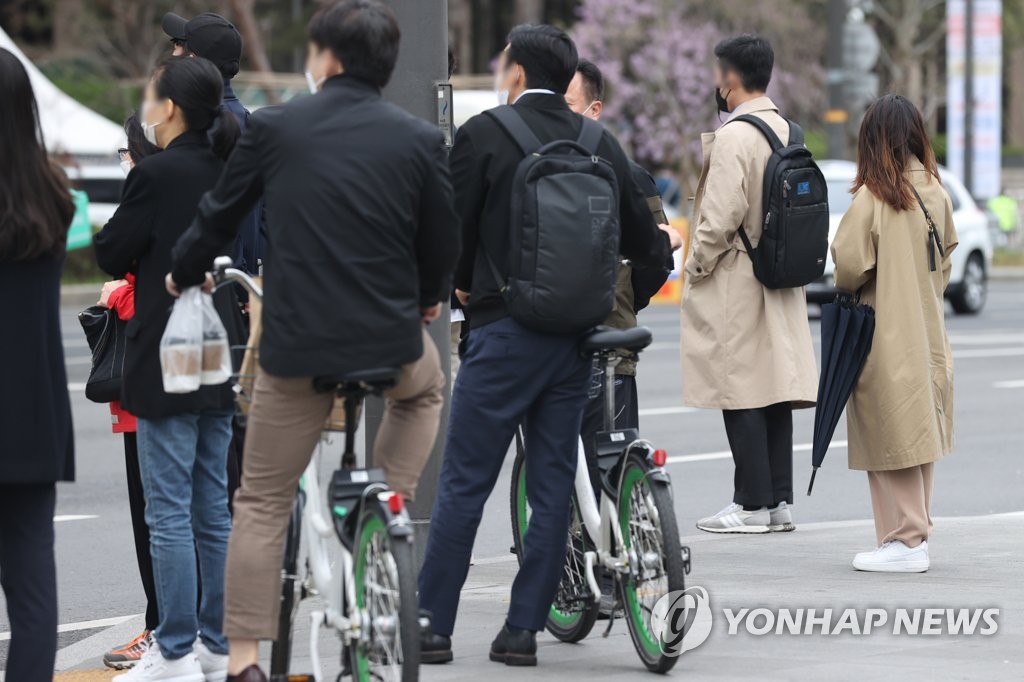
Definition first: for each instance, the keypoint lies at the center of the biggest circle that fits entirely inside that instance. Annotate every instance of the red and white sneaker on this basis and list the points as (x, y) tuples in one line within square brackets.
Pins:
[(127, 655)]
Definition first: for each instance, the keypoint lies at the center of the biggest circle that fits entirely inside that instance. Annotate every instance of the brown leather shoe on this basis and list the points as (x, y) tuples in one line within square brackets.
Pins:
[(250, 674)]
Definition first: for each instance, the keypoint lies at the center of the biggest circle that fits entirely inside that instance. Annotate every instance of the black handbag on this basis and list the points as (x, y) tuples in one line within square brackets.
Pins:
[(104, 331)]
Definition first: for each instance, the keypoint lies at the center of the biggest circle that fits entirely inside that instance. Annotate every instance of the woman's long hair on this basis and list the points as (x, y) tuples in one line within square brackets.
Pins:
[(892, 132), (35, 204), (197, 87)]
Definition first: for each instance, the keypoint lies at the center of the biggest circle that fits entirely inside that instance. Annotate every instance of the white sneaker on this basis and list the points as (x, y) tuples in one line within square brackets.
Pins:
[(781, 520), (215, 666), (733, 519), (894, 557), (153, 667)]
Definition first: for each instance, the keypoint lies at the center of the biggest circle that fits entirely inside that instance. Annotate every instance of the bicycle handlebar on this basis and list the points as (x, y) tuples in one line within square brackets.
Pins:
[(223, 272)]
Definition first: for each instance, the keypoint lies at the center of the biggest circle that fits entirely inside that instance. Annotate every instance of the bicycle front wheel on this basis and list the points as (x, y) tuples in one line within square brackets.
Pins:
[(648, 522), (385, 583), (281, 650), (574, 612)]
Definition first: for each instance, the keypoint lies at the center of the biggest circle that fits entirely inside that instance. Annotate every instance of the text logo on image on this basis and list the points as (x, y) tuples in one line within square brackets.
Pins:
[(681, 620)]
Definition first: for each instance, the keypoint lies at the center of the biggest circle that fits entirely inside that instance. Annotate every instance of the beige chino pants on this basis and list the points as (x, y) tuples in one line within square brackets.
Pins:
[(284, 426), (902, 502)]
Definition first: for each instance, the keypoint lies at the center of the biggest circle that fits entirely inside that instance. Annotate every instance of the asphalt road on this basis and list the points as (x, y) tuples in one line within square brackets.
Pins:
[(97, 573)]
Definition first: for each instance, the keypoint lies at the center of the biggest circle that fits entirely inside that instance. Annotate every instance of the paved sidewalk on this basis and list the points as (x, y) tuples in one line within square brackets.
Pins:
[(977, 562)]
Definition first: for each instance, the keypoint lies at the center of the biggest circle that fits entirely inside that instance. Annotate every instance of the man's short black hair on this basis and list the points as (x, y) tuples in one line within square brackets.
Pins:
[(547, 55), (363, 35), (593, 80), (751, 57)]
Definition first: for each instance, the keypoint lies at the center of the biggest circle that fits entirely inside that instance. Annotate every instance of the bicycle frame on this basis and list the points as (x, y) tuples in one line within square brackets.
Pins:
[(600, 521), (336, 588)]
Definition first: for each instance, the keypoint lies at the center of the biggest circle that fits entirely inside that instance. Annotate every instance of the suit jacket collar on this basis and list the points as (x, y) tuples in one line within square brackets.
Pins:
[(763, 103), (538, 100), (345, 82), (190, 138)]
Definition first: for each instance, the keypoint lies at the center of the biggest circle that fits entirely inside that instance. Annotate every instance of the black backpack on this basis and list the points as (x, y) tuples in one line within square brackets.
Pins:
[(564, 231), (794, 241)]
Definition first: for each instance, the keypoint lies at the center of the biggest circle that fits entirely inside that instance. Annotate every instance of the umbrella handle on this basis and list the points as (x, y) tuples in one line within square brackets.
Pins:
[(814, 472)]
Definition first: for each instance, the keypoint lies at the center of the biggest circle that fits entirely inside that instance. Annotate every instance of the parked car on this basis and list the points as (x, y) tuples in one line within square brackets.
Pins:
[(972, 259)]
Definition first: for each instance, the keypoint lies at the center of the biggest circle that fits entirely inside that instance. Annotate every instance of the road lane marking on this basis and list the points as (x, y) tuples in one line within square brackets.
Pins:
[(659, 411), (74, 517), (83, 625), (988, 352), (1019, 383), (727, 454), (76, 387)]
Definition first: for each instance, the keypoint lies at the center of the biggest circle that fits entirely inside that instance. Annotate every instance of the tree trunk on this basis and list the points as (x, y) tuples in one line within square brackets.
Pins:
[(245, 18), (529, 11)]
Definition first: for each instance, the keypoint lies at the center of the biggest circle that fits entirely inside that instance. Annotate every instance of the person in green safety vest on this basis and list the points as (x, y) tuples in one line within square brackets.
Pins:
[(1006, 211)]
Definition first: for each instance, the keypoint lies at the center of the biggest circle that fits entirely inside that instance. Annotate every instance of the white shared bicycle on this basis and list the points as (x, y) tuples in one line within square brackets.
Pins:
[(360, 563), (628, 541)]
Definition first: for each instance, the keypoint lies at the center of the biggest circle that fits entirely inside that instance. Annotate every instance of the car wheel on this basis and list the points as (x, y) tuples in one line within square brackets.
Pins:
[(970, 296)]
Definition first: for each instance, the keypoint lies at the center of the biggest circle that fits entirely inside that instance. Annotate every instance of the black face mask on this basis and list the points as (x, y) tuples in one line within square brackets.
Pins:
[(720, 101)]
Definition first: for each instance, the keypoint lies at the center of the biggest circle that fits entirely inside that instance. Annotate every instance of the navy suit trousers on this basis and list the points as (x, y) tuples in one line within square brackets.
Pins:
[(510, 375)]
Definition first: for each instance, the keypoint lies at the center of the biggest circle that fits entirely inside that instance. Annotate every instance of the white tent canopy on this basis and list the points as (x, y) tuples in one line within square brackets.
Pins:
[(68, 127)]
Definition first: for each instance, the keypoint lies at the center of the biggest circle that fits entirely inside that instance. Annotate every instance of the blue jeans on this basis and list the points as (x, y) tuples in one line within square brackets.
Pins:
[(183, 460)]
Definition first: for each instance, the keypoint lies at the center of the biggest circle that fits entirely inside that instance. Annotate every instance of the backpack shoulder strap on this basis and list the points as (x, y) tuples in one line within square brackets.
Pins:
[(765, 129), (513, 124), (591, 134), (796, 134)]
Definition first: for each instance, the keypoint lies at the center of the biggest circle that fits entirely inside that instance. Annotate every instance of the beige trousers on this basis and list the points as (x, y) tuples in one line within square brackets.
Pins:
[(902, 502), (285, 423)]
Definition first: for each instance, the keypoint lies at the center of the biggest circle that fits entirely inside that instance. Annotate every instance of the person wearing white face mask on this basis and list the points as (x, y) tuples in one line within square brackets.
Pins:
[(182, 438)]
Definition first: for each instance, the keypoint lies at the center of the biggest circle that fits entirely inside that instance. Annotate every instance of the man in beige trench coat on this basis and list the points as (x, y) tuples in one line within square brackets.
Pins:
[(746, 349)]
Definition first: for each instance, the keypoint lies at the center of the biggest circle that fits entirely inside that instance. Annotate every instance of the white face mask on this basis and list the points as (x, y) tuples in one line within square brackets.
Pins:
[(585, 111), (501, 94), (148, 129), (311, 83), (126, 167)]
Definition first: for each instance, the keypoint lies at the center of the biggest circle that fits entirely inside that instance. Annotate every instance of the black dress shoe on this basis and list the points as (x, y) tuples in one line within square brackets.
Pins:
[(514, 647), (250, 674), (435, 648)]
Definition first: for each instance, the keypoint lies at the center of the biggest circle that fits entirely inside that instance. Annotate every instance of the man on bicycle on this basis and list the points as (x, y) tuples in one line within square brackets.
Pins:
[(362, 237)]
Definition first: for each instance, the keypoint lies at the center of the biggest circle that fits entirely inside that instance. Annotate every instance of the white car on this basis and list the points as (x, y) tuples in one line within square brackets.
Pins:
[(972, 259)]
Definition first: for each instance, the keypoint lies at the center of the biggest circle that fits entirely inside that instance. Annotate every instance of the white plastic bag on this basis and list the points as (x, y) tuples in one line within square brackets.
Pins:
[(216, 351), (181, 347)]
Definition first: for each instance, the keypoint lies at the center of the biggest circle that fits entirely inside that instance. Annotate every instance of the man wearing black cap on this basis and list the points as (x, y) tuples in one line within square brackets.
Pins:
[(211, 36)]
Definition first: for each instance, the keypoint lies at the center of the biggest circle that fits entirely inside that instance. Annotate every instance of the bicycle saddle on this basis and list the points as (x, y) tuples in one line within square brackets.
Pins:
[(378, 379), (607, 338)]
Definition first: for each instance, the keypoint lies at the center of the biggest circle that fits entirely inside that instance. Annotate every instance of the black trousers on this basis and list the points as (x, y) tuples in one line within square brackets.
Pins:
[(28, 575), (761, 440), (627, 416), (137, 505)]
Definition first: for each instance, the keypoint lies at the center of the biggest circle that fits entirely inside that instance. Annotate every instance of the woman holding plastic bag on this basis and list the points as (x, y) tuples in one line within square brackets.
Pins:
[(184, 426)]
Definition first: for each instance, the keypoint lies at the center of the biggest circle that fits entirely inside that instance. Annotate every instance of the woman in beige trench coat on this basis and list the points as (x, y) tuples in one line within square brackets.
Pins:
[(900, 417)]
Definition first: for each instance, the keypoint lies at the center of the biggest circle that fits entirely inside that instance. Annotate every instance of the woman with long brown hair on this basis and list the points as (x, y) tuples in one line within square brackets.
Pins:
[(893, 247), (36, 441)]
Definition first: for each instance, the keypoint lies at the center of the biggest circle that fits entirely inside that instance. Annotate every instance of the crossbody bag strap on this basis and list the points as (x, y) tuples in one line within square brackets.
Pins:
[(933, 233)]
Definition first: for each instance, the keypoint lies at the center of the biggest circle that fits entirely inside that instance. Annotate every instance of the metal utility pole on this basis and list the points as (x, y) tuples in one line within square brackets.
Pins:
[(422, 66), (969, 95), (837, 116)]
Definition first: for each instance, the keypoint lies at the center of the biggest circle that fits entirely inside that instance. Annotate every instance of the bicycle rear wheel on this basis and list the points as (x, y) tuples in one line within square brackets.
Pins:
[(648, 522), (281, 650), (385, 583), (574, 612)]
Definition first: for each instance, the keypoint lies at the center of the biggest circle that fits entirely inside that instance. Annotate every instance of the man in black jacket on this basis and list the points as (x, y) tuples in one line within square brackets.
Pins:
[(510, 373), (362, 238)]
